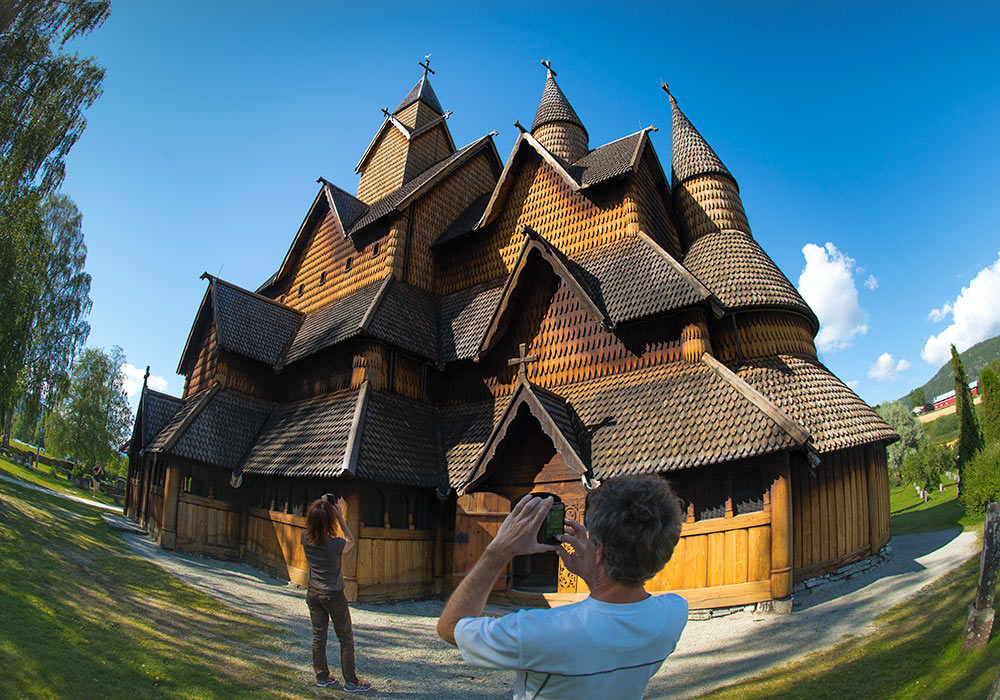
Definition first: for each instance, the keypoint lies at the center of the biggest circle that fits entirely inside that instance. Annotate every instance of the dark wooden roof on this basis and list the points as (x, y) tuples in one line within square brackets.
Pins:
[(398, 443), (184, 415), (223, 430), (250, 324), (307, 438), (407, 317), (554, 107), (672, 416), (692, 156), (612, 160), (421, 91), (835, 416), (738, 271), (465, 429), (157, 410), (466, 221), (464, 317), (334, 323)]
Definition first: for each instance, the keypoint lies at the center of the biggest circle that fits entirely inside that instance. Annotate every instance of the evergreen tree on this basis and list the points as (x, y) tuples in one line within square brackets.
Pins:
[(43, 93), (989, 389), (910, 432), (970, 439), (916, 398)]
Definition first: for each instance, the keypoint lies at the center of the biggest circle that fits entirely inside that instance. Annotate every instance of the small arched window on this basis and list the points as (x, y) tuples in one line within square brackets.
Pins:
[(347, 265), (748, 491), (302, 288), (373, 509), (375, 248), (399, 512), (322, 277)]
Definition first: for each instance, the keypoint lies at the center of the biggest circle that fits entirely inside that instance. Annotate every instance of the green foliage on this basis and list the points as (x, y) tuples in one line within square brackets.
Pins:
[(43, 95), (93, 420), (926, 466), (60, 327), (942, 427), (915, 398), (910, 434), (970, 439), (989, 389), (981, 479), (973, 359)]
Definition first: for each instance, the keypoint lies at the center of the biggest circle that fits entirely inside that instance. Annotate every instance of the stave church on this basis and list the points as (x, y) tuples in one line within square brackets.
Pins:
[(464, 329)]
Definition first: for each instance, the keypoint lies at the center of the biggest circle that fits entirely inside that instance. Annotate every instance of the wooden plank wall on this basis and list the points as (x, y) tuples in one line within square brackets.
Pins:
[(208, 526), (395, 563), (830, 516), (203, 371), (878, 495)]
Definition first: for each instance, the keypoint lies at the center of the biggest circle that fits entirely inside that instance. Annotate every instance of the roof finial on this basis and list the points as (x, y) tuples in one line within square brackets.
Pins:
[(666, 89), (548, 66), (426, 65)]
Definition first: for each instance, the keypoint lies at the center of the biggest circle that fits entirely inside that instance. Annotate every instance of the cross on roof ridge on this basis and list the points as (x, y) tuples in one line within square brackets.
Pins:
[(522, 360)]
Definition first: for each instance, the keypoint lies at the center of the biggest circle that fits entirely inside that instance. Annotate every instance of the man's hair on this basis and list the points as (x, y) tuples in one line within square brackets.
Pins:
[(319, 522), (638, 520)]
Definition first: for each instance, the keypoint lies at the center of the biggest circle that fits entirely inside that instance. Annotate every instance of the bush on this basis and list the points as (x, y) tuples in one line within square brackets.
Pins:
[(926, 466), (981, 479)]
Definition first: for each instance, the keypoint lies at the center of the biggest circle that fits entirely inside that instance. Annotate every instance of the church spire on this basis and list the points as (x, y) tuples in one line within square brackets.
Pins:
[(706, 195), (556, 125), (422, 91)]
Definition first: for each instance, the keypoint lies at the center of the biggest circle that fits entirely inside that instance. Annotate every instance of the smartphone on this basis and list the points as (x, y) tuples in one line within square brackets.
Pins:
[(553, 525)]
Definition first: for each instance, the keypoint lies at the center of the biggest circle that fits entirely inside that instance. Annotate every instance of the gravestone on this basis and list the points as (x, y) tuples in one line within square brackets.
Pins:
[(980, 621)]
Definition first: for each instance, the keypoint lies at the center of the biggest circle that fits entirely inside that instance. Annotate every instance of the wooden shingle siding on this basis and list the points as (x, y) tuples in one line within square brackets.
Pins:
[(203, 372)]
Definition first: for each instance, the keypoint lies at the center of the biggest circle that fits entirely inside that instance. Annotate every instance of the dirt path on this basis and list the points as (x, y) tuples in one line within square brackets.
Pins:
[(400, 652)]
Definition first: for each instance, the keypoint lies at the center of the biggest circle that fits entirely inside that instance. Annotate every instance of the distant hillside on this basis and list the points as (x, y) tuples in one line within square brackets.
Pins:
[(973, 359)]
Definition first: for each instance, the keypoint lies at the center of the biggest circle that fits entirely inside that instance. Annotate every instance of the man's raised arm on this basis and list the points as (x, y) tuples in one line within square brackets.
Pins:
[(517, 535)]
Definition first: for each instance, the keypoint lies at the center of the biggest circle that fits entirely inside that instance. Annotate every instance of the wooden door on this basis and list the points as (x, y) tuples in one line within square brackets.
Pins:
[(477, 520)]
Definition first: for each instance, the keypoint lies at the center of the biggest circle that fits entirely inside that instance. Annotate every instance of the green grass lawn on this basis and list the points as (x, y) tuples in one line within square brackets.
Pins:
[(914, 654), (942, 512), (83, 619), (48, 477)]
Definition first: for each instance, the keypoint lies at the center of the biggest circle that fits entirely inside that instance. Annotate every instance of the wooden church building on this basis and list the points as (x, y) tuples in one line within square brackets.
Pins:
[(464, 330)]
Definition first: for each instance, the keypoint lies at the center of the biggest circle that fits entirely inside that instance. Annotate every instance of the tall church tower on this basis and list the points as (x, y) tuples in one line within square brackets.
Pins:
[(556, 125), (411, 139)]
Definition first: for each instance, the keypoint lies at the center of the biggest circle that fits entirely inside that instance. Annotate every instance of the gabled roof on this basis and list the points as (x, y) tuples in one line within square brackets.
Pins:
[(154, 412), (556, 417), (222, 430), (738, 271), (345, 208), (417, 186), (554, 107), (390, 310), (421, 91), (409, 134), (175, 427), (398, 443), (246, 323), (466, 221), (311, 437), (692, 156), (535, 247), (608, 162), (618, 283), (464, 317)]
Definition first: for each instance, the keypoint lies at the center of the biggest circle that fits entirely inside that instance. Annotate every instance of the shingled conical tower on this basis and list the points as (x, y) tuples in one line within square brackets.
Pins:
[(412, 138), (556, 125)]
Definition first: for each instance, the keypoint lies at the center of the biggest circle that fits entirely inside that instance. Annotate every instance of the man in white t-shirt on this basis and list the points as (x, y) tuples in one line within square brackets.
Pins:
[(610, 644)]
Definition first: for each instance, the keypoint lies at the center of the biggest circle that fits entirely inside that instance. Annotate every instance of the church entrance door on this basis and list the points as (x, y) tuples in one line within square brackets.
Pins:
[(477, 520)]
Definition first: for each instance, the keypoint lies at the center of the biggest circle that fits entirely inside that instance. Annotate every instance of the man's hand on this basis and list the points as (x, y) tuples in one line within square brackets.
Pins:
[(518, 534), (583, 560)]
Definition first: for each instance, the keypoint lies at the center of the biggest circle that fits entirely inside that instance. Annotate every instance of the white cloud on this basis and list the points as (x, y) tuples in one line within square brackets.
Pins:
[(976, 317), (133, 380), (938, 315), (853, 384), (872, 282), (885, 368), (827, 285)]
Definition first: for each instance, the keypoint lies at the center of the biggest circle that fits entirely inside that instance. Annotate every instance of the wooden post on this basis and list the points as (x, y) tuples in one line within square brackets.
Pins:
[(874, 521), (171, 496), (781, 530), (352, 514), (438, 563), (980, 622)]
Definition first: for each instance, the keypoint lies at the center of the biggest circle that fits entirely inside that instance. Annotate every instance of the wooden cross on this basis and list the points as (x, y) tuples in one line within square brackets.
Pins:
[(426, 65), (548, 66), (522, 361)]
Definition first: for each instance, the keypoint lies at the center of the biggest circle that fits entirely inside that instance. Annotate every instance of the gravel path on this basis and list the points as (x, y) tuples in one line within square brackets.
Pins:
[(399, 651)]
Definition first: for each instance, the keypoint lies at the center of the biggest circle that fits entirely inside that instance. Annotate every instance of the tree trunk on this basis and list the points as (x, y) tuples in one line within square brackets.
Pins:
[(8, 422)]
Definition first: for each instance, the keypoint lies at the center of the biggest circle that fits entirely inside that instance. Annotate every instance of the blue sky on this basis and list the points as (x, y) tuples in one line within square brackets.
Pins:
[(864, 138)]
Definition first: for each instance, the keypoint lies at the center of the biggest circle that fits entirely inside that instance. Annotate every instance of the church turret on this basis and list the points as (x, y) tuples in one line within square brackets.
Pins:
[(706, 195), (556, 125), (412, 138)]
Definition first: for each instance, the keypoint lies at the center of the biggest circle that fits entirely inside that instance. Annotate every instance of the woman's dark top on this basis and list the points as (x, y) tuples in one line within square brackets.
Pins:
[(324, 564)]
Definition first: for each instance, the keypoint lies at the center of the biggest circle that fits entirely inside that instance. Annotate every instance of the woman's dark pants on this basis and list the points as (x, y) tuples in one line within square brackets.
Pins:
[(323, 607)]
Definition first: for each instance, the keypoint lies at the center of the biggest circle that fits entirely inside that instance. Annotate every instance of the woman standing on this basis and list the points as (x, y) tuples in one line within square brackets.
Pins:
[(325, 595)]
